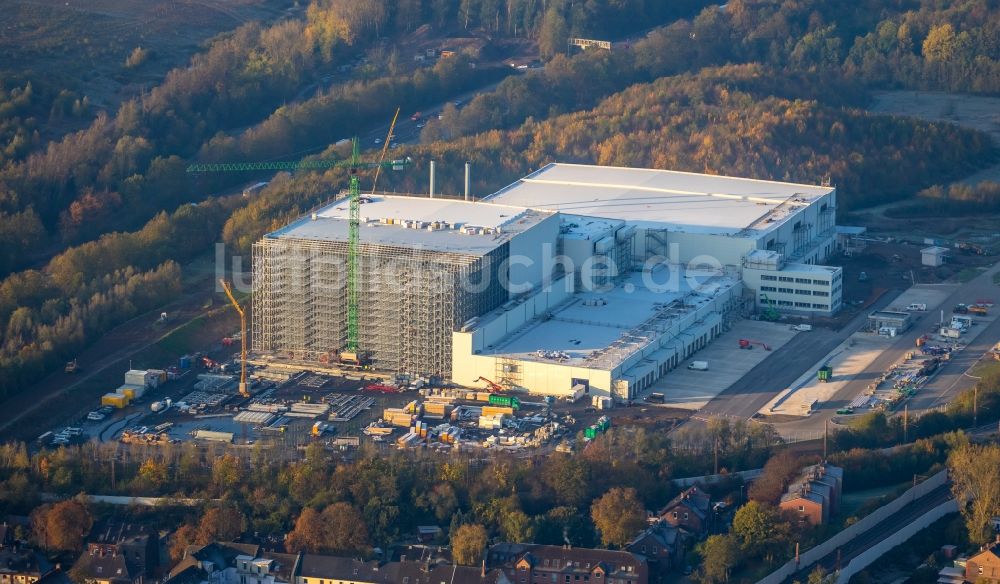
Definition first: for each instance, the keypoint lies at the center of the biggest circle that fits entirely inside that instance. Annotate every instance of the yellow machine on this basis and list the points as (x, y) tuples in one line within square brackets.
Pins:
[(243, 338)]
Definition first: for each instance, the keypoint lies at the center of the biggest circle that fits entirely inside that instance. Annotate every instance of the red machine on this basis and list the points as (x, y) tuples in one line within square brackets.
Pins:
[(381, 388), (495, 387), (748, 344)]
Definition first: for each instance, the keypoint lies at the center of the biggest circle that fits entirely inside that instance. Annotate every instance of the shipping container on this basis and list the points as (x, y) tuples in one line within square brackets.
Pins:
[(495, 410), (115, 400), (505, 400)]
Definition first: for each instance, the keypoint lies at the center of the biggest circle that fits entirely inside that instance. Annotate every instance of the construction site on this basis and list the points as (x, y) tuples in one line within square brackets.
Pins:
[(574, 277)]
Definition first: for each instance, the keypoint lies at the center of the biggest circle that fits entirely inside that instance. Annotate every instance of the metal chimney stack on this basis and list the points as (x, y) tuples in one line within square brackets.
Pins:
[(432, 180), (468, 171)]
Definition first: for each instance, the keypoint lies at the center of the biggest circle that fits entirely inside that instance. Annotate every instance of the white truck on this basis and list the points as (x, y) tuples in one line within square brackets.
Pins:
[(950, 333), (916, 307), (802, 328), (698, 365)]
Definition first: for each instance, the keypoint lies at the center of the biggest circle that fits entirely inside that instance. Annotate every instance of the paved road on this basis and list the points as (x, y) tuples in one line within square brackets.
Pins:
[(745, 397), (945, 385), (873, 536), (952, 380)]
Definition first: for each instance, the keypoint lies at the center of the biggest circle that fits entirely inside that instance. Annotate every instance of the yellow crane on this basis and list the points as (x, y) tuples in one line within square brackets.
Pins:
[(243, 338)]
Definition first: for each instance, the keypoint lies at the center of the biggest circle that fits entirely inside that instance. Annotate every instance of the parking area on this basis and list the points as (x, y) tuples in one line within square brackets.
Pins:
[(849, 360), (727, 363), (931, 295)]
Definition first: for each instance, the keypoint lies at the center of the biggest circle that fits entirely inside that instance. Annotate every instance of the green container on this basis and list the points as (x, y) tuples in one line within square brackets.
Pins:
[(590, 432), (505, 401), (824, 373)]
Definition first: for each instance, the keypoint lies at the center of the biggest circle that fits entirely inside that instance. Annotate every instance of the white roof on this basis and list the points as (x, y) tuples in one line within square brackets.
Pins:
[(583, 227), (413, 220), (814, 268), (581, 331), (679, 201)]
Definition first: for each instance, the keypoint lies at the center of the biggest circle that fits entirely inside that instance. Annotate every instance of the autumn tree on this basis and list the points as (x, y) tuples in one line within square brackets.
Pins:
[(567, 477), (339, 528), (468, 544), (775, 477), (565, 525), (554, 32), (221, 523), (760, 529), (619, 516), (181, 538), (975, 478), (720, 554), (940, 43), (62, 526)]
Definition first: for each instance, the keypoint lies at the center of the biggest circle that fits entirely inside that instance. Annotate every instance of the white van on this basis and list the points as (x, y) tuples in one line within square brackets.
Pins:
[(698, 365), (917, 307)]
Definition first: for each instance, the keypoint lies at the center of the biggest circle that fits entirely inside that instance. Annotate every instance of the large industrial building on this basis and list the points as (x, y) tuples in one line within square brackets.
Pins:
[(590, 276)]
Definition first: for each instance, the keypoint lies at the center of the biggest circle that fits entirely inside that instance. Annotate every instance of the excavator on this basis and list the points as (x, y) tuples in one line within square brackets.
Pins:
[(243, 338), (494, 387)]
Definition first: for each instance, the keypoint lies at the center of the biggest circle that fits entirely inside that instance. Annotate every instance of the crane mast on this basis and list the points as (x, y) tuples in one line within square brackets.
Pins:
[(351, 352), (243, 338), (353, 235)]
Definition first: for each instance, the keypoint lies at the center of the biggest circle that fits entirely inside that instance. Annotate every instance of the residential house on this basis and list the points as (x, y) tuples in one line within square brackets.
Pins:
[(317, 569), (815, 493), (984, 567), (413, 572), (20, 565), (690, 510), (120, 553), (217, 561), (98, 566), (229, 563), (549, 564), (662, 546)]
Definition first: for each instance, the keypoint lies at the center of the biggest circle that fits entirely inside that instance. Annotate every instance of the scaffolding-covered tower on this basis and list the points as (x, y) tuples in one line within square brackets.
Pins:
[(425, 267)]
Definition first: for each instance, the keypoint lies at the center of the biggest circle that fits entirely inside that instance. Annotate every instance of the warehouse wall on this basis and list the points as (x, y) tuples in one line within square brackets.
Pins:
[(538, 245)]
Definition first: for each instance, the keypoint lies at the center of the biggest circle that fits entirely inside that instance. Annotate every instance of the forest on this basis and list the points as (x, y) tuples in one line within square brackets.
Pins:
[(767, 90), (740, 119)]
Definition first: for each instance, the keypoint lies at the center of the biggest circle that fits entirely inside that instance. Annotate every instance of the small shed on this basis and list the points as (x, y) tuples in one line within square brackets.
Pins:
[(889, 319), (428, 533), (933, 256)]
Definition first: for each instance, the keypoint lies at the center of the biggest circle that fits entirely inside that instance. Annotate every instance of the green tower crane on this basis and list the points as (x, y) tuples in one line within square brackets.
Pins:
[(351, 353)]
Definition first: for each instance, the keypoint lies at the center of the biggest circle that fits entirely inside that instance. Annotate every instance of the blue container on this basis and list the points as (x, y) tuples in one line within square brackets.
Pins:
[(185, 362)]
